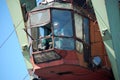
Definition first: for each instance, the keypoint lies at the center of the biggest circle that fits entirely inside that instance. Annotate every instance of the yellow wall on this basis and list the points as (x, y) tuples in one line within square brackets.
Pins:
[(16, 14), (17, 18)]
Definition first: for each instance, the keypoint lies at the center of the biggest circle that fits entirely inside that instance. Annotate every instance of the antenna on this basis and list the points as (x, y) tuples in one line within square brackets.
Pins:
[(28, 34)]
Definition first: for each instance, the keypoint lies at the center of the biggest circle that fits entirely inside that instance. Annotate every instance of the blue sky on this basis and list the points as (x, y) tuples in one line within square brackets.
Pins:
[(12, 65)]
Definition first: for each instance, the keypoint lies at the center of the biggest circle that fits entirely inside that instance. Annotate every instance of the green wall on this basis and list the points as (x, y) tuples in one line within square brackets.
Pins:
[(108, 17)]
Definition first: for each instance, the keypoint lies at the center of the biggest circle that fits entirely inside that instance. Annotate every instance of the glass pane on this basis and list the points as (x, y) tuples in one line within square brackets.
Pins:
[(64, 43), (46, 57), (79, 46), (42, 31), (78, 26), (62, 22), (39, 18), (86, 30), (35, 35), (40, 44)]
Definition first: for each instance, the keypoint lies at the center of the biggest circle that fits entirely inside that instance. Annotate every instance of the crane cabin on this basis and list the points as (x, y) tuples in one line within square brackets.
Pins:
[(64, 45)]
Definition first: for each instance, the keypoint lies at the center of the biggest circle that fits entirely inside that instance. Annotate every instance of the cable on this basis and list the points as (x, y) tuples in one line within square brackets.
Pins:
[(25, 76), (8, 39), (10, 34)]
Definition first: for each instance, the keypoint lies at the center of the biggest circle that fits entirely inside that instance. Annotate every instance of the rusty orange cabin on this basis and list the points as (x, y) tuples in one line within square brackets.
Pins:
[(66, 45)]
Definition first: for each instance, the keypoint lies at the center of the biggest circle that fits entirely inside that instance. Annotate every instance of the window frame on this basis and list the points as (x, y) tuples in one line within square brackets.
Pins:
[(72, 20)]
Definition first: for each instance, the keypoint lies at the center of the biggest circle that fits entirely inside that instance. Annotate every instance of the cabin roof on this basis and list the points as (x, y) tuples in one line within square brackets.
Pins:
[(53, 5), (40, 15)]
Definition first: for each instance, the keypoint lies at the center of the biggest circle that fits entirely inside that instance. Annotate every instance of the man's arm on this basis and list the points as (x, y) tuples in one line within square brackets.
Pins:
[(46, 37)]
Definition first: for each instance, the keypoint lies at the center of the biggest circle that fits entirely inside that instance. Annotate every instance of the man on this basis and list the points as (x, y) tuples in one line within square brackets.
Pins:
[(46, 42), (58, 31)]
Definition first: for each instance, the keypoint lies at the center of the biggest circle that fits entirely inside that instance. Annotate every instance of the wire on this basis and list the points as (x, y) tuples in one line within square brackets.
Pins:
[(8, 39), (25, 76), (10, 34)]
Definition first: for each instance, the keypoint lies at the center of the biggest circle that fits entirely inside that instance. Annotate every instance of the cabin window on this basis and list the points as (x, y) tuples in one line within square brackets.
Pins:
[(38, 43), (86, 30), (86, 39), (62, 23), (62, 29), (82, 35), (64, 43), (79, 46), (39, 18), (78, 26)]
